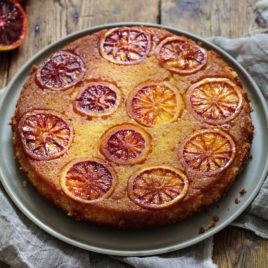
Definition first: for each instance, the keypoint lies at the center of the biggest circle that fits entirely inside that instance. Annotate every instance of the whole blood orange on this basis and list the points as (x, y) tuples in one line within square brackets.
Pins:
[(157, 187), (13, 24)]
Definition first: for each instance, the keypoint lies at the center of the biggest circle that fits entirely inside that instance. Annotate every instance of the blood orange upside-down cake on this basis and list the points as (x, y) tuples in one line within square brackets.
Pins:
[(132, 127)]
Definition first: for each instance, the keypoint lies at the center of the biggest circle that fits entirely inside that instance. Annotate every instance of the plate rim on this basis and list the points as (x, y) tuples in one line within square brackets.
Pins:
[(148, 252)]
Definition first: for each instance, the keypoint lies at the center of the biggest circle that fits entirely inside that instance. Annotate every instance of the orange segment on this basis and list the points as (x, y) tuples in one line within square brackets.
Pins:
[(181, 56), (214, 100), (44, 134), (125, 45), (157, 187), (98, 99), (88, 180), (13, 25), (208, 151), (152, 104), (126, 144), (61, 71)]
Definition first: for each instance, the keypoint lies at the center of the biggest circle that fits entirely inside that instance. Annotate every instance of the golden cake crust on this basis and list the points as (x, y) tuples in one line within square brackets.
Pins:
[(167, 139)]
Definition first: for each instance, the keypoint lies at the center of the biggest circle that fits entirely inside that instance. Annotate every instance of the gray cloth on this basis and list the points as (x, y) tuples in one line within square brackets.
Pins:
[(22, 244)]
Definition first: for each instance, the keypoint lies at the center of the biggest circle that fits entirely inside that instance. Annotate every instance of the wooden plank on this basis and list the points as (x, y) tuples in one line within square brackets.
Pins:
[(52, 19), (237, 248), (227, 18)]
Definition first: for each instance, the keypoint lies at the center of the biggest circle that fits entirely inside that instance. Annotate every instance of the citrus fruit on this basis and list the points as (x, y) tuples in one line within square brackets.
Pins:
[(208, 151), (157, 187), (61, 71), (13, 25), (44, 134), (125, 144), (214, 100), (181, 56), (87, 180), (125, 45), (98, 99), (152, 104)]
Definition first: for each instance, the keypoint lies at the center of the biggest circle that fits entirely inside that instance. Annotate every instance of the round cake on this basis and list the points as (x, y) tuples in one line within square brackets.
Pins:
[(132, 127)]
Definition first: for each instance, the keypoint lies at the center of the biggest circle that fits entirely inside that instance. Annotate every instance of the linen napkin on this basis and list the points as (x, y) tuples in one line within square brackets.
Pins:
[(23, 244)]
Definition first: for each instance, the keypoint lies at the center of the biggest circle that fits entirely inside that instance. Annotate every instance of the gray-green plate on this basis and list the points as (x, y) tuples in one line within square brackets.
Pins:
[(130, 243)]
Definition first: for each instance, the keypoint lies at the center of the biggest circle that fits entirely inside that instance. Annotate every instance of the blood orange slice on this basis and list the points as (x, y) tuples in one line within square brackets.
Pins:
[(61, 71), (157, 187), (208, 151), (88, 180), (126, 144), (125, 45), (44, 134), (214, 100), (98, 99), (13, 24), (152, 104), (181, 56)]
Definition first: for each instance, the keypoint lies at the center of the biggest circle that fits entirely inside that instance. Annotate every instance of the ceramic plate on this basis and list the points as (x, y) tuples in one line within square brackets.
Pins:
[(130, 243)]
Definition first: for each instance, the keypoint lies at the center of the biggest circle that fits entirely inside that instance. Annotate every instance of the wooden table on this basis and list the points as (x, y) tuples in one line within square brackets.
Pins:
[(49, 20)]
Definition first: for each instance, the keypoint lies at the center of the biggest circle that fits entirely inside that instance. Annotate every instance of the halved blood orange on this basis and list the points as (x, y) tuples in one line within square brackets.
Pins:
[(152, 104), (88, 180), (126, 144), (181, 56), (97, 99), (61, 71), (125, 45), (13, 24), (157, 187), (208, 151), (44, 134), (214, 100)]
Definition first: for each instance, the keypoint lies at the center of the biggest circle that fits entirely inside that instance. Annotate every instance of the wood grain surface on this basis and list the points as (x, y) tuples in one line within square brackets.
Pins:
[(49, 20)]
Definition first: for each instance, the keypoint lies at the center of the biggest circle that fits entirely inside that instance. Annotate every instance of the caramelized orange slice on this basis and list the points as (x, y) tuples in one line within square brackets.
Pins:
[(98, 99), (61, 71), (126, 144), (181, 56), (125, 45), (152, 104), (88, 180), (44, 134), (208, 151), (157, 187), (214, 100)]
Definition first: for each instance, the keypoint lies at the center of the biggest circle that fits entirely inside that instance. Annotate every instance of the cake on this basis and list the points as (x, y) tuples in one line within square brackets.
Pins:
[(132, 127)]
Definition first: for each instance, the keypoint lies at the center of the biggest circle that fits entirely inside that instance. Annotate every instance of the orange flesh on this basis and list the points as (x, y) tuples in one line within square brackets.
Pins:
[(209, 151), (158, 187), (180, 56), (44, 135), (125, 144), (216, 101), (154, 104), (125, 46)]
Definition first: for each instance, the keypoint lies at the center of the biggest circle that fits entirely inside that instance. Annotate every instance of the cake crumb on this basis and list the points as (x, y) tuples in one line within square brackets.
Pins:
[(216, 218), (237, 200), (243, 191), (24, 183), (211, 225), (202, 230)]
